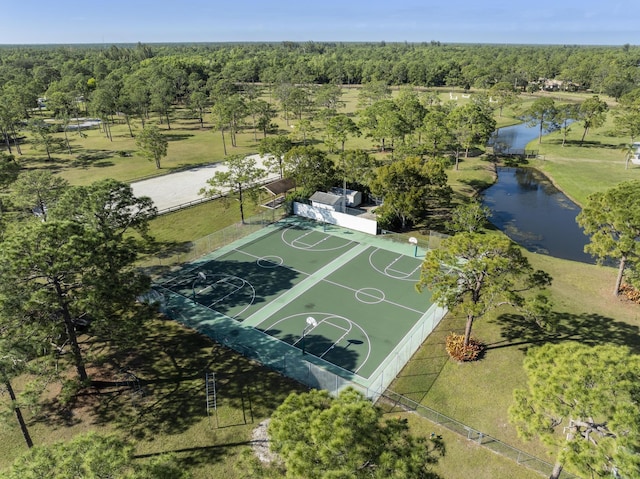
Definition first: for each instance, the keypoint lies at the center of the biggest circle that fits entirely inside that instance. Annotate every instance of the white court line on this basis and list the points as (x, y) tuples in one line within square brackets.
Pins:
[(384, 300), (310, 246), (335, 325), (403, 274), (224, 281), (366, 337), (279, 265), (346, 331), (298, 239), (307, 247), (389, 267)]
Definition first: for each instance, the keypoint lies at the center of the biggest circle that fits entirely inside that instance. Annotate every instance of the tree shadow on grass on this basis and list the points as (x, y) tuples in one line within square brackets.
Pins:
[(177, 136), (190, 457), (587, 328), (93, 158), (585, 144), (171, 368), (477, 184), (158, 387)]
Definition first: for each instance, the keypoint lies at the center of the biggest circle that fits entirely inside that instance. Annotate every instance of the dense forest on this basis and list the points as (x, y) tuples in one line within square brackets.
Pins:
[(603, 70)]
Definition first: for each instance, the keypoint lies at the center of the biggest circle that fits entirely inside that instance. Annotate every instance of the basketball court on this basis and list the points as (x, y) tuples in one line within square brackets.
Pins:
[(336, 296)]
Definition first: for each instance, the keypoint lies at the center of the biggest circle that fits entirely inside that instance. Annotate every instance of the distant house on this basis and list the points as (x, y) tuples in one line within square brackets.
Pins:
[(327, 201), (550, 84)]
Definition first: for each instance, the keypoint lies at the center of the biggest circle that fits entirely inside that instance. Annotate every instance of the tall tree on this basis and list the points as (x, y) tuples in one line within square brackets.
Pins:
[(19, 343), (582, 400), (275, 147), (339, 128), (265, 114), (242, 175), (542, 112), (319, 437), (372, 92), (470, 216), (198, 103), (567, 113), (472, 273), (436, 130), (382, 120), (153, 144), (221, 118), (357, 167), (37, 191), (593, 113), (137, 92), (612, 220), (504, 94), (78, 263), (471, 124), (161, 96), (411, 109), (328, 96), (310, 168), (11, 114), (111, 213), (48, 261), (42, 137), (237, 111), (299, 101), (627, 115), (409, 187)]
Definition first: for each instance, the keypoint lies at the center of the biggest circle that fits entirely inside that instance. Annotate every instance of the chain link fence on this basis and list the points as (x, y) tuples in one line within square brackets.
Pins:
[(287, 359), (391, 401), (161, 264)]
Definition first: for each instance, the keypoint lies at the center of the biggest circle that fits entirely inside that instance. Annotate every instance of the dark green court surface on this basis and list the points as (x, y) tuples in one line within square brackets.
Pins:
[(332, 298)]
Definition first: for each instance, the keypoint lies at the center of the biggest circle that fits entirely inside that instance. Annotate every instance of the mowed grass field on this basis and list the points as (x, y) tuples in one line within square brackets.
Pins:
[(171, 415)]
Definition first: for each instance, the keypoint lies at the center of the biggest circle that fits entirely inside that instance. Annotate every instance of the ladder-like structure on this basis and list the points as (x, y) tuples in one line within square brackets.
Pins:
[(210, 390)]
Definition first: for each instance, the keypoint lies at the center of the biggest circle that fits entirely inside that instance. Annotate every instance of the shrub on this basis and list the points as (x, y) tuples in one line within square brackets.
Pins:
[(457, 350), (631, 293)]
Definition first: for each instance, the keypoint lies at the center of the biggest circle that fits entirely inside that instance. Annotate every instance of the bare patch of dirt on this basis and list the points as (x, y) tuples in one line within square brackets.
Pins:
[(260, 443)]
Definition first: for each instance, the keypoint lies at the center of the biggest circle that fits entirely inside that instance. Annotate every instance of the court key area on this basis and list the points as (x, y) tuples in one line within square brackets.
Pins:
[(346, 302)]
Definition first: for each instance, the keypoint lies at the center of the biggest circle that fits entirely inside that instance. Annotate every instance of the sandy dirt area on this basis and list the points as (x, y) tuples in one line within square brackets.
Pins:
[(175, 189)]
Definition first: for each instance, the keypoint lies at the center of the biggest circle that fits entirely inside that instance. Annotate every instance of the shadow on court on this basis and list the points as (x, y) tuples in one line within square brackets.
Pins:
[(237, 288), (321, 347)]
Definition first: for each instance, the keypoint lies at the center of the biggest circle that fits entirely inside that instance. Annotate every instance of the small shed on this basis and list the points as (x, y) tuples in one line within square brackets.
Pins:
[(278, 189), (327, 201), (354, 198)]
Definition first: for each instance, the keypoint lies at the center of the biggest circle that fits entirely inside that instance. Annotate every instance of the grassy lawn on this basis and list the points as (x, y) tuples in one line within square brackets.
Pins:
[(171, 416), (479, 394)]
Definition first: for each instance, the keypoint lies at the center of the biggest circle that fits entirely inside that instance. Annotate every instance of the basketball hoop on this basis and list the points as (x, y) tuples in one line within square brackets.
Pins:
[(311, 323), (414, 241)]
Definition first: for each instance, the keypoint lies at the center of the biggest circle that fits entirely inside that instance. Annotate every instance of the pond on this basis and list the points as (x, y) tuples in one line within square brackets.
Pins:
[(527, 207), (514, 137)]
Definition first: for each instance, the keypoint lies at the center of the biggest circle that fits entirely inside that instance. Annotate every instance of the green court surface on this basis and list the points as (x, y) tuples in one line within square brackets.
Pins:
[(335, 298)]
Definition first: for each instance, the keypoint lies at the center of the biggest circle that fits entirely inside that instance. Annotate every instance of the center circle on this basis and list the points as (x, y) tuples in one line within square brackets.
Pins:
[(270, 261), (370, 295)]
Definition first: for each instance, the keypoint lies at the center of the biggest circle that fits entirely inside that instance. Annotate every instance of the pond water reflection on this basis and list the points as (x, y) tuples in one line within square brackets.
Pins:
[(530, 210)]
